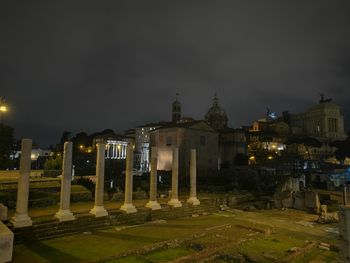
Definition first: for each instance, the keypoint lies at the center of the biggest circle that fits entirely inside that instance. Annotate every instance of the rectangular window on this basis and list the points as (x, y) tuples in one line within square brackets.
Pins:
[(202, 140), (169, 141)]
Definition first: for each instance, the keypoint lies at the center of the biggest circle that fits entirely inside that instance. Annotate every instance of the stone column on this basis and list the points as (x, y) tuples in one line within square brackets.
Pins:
[(128, 207), (21, 218), (174, 201), (98, 209), (193, 179), (64, 213), (152, 203)]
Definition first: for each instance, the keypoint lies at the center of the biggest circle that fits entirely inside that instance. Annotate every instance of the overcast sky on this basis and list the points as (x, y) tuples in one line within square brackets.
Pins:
[(92, 65)]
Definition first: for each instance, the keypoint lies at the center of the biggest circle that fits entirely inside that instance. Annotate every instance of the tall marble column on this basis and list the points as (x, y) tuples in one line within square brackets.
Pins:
[(64, 213), (174, 201), (152, 203), (193, 179), (128, 207), (98, 209), (21, 218)]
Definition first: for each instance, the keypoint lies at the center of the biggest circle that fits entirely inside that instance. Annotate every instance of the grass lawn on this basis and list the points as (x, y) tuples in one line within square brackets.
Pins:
[(261, 236)]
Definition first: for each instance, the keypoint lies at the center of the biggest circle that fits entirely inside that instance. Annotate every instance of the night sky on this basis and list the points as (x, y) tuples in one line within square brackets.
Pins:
[(93, 65)]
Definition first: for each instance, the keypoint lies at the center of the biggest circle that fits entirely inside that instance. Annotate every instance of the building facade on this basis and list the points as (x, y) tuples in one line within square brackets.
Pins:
[(186, 136)]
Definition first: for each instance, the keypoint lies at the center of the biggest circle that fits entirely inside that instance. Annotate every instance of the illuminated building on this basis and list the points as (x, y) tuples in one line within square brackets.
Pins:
[(142, 145), (115, 145)]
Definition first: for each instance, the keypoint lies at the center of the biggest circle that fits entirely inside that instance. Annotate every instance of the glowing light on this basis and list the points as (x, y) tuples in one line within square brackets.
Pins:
[(252, 158), (270, 157), (3, 108), (81, 146)]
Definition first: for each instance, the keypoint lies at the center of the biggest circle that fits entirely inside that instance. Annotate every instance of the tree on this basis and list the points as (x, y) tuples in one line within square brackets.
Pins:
[(6, 145), (53, 163), (66, 136)]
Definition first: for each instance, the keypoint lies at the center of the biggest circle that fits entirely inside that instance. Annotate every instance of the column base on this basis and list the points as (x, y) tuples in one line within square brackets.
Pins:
[(175, 202), (64, 215), (153, 205), (99, 211), (21, 221), (193, 201), (128, 208)]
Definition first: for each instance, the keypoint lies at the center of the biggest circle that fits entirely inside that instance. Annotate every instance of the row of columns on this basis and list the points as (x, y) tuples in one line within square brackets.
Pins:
[(21, 218), (116, 151)]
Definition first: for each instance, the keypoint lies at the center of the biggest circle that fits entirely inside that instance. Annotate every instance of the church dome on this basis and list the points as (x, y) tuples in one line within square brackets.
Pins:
[(216, 116)]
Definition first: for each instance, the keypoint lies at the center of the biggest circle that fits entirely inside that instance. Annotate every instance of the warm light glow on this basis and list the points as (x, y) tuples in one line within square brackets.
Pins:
[(3, 108), (270, 157), (89, 150), (252, 158), (81, 146)]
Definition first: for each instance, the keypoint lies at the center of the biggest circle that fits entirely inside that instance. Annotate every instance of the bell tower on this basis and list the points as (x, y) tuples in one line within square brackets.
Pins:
[(176, 112)]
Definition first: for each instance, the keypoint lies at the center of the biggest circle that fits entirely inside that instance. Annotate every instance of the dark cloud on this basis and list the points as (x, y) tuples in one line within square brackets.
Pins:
[(91, 65)]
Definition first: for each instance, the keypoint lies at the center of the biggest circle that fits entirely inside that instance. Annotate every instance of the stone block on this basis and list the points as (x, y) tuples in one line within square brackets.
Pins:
[(312, 201), (6, 243), (299, 200)]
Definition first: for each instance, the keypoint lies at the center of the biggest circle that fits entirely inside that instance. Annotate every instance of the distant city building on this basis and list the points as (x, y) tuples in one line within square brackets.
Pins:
[(324, 122)]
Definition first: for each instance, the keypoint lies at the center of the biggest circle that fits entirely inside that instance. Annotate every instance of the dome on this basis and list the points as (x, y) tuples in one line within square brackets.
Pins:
[(216, 116)]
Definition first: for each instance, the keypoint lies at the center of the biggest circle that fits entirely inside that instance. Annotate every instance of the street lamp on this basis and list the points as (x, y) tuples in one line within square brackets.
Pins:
[(3, 108)]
